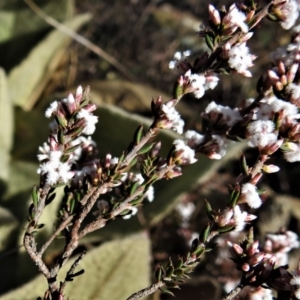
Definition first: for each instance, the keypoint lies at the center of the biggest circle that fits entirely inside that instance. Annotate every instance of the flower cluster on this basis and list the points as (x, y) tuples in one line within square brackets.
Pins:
[(118, 186), (61, 155)]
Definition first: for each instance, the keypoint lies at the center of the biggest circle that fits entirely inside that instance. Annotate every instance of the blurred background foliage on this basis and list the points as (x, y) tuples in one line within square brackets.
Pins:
[(39, 63)]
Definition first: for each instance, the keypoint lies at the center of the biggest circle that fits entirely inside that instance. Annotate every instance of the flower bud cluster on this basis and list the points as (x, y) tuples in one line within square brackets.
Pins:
[(166, 116), (64, 155), (286, 12), (279, 244)]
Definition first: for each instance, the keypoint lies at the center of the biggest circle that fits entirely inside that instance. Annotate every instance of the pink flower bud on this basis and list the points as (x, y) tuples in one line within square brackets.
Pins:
[(70, 103), (214, 155), (278, 86), (268, 245), (90, 107), (274, 147), (214, 15), (270, 168), (281, 68), (294, 129), (253, 248), (290, 75), (237, 249), (78, 92), (256, 258), (225, 218), (289, 146), (246, 37), (245, 267), (273, 76), (53, 143), (283, 80)]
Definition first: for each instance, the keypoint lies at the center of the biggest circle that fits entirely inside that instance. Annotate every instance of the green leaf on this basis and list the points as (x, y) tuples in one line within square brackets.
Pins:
[(40, 64), (35, 196), (166, 291), (114, 270)]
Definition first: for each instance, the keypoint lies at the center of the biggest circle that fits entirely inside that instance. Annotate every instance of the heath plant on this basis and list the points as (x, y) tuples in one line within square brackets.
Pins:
[(269, 122)]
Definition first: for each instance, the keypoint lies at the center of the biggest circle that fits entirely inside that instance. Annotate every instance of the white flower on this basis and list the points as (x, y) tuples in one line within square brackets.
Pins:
[(297, 293), (193, 138), (84, 142), (138, 178), (178, 126), (259, 293), (241, 218), (56, 170), (51, 109), (261, 127), (294, 90), (261, 133), (197, 82), (250, 195), (235, 17), (150, 193), (114, 161), (240, 59), (295, 280), (133, 212), (229, 116), (293, 155), (271, 105), (221, 150), (262, 140), (188, 155), (178, 57), (90, 120), (284, 242), (290, 14), (185, 210), (211, 81), (173, 116), (52, 176)]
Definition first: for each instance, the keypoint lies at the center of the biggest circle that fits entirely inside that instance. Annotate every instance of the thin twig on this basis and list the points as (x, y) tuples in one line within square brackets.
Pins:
[(101, 221), (69, 276), (31, 249), (29, 241), (130, 156), (233, 293), (147, 291), (61, 227), (80, 39)]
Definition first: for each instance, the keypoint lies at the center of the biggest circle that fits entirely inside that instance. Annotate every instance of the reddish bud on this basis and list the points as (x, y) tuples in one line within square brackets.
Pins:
[(256, 258), (245, 267)]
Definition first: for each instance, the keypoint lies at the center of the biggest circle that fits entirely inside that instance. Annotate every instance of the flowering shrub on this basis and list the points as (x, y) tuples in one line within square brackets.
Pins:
[(270, 122)]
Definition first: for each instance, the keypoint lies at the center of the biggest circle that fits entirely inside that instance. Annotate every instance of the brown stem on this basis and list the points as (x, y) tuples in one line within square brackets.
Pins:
[(30, 246), (259, 165), (132, 154), (73, 242), (101, 221), (147, 291), (71, 272), (29, 240), (61, 227), (233, 293)]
